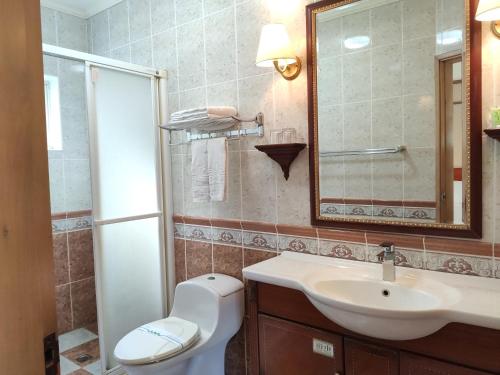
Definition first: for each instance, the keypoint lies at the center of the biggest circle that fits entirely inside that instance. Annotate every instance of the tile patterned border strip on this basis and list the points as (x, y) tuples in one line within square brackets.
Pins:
[(398, 212), (72, 224), (431, 253)]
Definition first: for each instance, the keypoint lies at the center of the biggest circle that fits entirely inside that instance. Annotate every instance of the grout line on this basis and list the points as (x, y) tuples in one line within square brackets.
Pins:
[(56, 26), (69, 281), (176, 32)]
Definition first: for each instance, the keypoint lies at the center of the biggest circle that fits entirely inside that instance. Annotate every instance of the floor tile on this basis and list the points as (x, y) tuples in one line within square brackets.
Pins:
[(80, 372), (67, 367), (90, 349), (74, 338), (94, 368)]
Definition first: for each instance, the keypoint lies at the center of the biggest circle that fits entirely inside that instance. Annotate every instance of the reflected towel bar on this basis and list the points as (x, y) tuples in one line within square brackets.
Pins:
[(368, 151)]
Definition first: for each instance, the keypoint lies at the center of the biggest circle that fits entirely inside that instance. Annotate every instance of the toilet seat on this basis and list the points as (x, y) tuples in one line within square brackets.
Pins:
[(157, 341)]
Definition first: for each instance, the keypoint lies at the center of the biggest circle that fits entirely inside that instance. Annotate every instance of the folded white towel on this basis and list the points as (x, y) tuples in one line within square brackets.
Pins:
[(196, 113), (209, 123), (199, 172), (217, 168)]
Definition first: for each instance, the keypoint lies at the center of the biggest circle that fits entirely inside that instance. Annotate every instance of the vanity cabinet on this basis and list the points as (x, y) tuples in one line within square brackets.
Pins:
[(287, 335), (411, 364), (365, 359), (289, 348)]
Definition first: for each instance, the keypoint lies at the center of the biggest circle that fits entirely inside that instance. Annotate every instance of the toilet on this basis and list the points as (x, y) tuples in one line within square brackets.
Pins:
[(208, 310)]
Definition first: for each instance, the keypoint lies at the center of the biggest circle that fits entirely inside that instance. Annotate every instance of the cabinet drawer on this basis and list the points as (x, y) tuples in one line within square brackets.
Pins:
[(290, 348)]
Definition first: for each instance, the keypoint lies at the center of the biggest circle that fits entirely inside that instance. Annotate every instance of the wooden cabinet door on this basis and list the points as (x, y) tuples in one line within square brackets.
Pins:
[(27, 296), (412, 364), (366, 359), (289, 348)]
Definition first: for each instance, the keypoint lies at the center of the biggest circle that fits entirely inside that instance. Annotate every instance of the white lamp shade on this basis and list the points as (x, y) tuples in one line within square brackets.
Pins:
[(274, 45), (488, 10)]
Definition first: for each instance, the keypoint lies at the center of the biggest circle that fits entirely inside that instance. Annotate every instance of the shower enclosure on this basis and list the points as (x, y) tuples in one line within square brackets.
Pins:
[(106, 178)]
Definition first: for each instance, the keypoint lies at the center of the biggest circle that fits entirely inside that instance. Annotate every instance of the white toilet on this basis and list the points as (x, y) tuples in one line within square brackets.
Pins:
[(208, 310)]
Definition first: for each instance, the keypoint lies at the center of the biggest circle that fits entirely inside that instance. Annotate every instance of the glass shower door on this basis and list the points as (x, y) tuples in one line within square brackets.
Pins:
[(126, 189)]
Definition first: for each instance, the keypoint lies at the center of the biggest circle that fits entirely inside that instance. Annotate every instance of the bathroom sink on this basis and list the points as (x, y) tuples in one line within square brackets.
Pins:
[(354, 295), (402, 310), (377, 295)]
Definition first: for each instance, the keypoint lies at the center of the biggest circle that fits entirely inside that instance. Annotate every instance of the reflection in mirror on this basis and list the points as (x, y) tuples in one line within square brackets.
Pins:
[(391, 126)]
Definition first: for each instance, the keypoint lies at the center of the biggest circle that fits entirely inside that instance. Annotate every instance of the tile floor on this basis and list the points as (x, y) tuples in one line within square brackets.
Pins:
[(79, 352)]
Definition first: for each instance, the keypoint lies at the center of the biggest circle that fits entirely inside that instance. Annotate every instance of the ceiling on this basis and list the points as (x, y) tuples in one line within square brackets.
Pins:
[(80, 8)]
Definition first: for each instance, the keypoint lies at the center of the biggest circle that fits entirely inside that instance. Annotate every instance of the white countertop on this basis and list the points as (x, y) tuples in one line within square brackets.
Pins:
[(478, 301)]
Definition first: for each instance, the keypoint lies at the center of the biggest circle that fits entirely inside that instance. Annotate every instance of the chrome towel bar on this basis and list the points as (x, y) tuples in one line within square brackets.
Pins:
[(368, 151)]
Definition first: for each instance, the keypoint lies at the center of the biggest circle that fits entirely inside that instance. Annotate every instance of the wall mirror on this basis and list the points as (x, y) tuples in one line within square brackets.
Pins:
[(395, 115)]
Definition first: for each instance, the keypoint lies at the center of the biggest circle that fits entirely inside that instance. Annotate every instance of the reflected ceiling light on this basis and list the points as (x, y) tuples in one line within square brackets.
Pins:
[(276, 50), (489, 10), (449, 37), (357, 42)]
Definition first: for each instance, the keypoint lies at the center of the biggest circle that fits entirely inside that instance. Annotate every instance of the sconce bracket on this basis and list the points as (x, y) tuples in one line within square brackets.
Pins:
[(292, 71), (495, 28)]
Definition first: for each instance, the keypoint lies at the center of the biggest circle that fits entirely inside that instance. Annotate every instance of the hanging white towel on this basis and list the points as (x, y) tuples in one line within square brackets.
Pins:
[(217, 168), (199, 172)]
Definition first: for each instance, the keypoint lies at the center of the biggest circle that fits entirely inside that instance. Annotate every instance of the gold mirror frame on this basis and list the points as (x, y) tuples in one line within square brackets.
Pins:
[(472, 169)]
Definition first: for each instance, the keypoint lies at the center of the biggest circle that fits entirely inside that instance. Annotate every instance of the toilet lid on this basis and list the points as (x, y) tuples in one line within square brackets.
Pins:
[(156, 341)]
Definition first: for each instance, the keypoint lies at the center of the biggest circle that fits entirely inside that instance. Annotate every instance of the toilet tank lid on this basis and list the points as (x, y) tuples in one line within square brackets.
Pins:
[(221, 284)]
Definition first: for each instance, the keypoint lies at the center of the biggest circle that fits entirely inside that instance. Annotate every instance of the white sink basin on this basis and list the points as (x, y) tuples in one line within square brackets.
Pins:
[(353, 295), (377, 295), (402, 310)]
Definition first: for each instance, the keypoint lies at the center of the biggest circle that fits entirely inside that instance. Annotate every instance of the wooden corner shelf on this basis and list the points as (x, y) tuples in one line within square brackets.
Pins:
[(493, 133), (283, 154)]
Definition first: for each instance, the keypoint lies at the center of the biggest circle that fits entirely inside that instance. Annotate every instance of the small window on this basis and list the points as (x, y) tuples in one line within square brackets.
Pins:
[(53, 113)]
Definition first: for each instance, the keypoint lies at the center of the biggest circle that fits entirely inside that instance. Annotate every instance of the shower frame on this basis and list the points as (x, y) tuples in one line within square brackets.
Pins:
[(163, 166)]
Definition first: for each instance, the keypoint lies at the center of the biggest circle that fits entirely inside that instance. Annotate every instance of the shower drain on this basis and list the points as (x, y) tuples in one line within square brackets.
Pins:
[(83, 358)]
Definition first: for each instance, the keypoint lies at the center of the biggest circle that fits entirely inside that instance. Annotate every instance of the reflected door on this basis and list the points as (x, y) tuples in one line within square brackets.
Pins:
[(126, 190)]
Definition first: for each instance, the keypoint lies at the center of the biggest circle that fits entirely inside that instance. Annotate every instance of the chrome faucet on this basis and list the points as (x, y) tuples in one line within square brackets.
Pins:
[(387, 258)]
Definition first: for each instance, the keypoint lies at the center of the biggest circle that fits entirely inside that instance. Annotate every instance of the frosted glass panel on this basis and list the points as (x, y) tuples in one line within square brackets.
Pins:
[(131, 282), (125, 145)]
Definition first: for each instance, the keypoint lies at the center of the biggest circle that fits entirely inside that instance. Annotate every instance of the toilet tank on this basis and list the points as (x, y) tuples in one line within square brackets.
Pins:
[(210, 300)]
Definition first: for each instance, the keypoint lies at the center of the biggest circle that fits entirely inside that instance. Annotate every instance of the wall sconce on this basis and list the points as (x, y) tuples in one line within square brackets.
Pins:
[(276, 50), (489, 10)]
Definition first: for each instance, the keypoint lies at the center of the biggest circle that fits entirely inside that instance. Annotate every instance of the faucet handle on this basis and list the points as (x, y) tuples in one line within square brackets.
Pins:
[(388, 252), (381, 256)]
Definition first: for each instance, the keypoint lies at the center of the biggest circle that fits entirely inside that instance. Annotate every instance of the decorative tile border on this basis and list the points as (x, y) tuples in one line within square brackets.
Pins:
[(464, 265), (260, 240), (396, 212), (226, 236), (178, 230), (197, 232), (496, 268), (404, 257), (420, 213), (438, 254), (298, 244), (343, 250), (72, 224)]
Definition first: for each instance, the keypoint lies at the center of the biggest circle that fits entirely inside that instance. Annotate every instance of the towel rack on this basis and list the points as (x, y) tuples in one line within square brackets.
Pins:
[(229, 134), (368, 151)]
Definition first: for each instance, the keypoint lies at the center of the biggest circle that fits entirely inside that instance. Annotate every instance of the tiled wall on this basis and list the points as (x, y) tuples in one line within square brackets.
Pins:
[(209, 48), (74, 273), (64, 30), (382, 95)]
